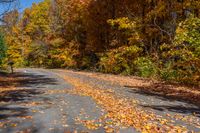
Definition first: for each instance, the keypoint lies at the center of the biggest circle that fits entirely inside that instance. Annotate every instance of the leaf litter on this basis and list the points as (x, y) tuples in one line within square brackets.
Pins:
[(121, 112)]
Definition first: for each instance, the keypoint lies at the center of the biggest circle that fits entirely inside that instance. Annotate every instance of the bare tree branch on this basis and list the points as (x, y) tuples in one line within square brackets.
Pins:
[(7, 1), (8, 5), (162, 30)]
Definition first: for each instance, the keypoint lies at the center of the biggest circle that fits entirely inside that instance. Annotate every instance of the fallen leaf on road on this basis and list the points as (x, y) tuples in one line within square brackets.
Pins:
[(121, 111)]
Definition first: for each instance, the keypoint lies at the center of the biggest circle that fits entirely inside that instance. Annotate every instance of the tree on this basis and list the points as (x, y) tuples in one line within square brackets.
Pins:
[(2, 49), (103, 33), (9, 20), (7, 6), (184, 53)]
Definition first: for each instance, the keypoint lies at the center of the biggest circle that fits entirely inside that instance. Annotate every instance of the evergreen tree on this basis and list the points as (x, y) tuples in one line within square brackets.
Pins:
[(2, 48)]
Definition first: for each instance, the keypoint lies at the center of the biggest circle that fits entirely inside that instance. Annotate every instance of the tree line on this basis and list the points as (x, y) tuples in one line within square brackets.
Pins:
[(148, 38)]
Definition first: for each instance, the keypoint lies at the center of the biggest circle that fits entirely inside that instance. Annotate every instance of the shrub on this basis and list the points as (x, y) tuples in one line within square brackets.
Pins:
[(145, 67), (168, 73), (119, 60), (88, 60), (184, 53)]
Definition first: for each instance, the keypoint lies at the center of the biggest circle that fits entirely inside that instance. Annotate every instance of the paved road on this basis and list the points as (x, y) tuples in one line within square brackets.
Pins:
[(33, 110)]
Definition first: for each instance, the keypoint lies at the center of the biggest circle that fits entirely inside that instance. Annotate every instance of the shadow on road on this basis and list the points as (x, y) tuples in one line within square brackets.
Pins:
[(18, 95), (175, 109), (11, 97), (7, 112), (167, 95), (26, 80), (13, 91)]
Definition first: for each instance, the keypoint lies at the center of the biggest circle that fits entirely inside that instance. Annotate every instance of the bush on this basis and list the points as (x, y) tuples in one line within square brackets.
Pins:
[(88, 60), (184, 53), (119, 60), (145, 67), (168, 73)]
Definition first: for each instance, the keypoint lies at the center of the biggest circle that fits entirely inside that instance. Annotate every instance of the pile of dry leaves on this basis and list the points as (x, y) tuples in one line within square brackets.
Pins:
[(121, 112), (163, 89)]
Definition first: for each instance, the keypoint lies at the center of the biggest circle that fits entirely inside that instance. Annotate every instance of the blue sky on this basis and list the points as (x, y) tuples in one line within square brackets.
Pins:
[(27, 3), (23, 4)]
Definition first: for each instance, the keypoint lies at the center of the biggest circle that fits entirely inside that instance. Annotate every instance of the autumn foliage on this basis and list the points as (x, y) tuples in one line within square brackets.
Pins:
[(149, 38)]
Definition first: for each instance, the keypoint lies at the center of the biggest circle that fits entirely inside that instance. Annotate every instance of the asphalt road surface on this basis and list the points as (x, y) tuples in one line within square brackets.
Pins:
[(32, 109)]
